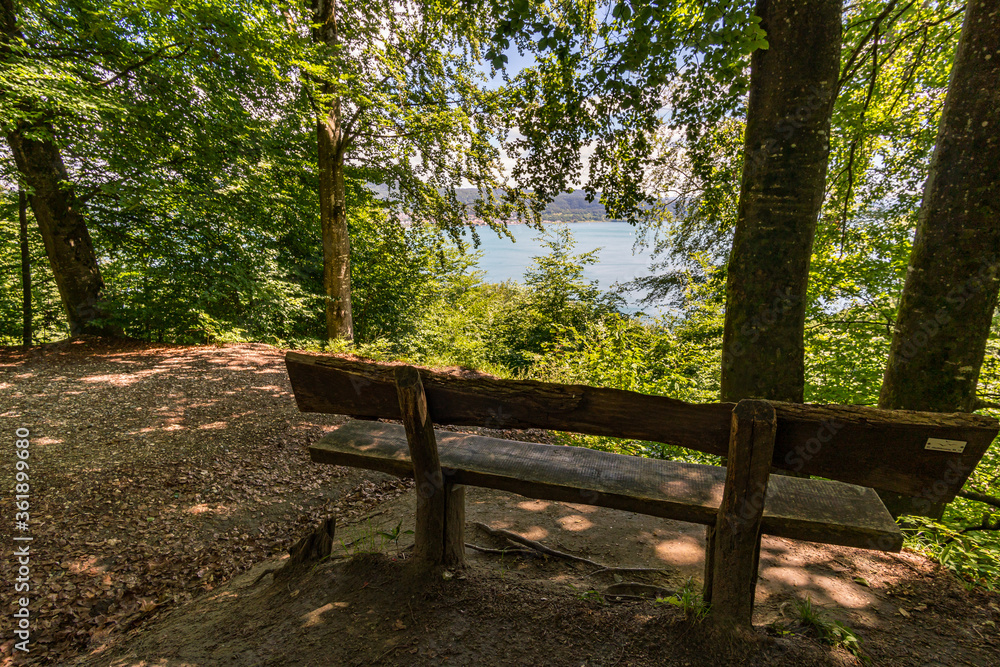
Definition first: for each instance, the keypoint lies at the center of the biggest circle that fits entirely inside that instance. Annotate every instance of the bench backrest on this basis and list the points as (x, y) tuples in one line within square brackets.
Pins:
[(920, 454)]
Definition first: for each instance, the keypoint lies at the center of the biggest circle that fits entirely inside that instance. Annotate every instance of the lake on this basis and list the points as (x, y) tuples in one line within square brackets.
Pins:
[(505, 260)]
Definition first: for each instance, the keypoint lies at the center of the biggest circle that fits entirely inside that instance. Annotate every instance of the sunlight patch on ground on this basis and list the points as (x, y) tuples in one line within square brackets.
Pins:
[(122, 379), (823, 589), (575, 522), (223, 594), (85, 565), (205, 508), (534, 533), (682, 550), (534, 505), (586, 509), (315, 617), (118, 380)]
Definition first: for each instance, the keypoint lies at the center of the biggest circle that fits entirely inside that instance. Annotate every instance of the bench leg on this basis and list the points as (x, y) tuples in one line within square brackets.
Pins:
[(454, 525), (439, 537), (734, 541), (706, 591), (428, 534)]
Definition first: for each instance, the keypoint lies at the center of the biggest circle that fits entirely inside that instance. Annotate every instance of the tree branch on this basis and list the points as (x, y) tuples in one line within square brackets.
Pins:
[(852, 62), (980, 498), (823, 324), (145, 61)]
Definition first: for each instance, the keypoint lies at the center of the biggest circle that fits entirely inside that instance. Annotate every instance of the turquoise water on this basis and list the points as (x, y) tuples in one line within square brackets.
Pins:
[(503, 259)]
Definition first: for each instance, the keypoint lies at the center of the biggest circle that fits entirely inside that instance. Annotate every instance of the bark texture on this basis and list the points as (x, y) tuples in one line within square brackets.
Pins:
[(22, 214), (792, 88), (332, 144), (950, 293)]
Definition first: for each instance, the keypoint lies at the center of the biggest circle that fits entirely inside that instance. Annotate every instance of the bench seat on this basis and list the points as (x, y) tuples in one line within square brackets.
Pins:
[(799, 508)]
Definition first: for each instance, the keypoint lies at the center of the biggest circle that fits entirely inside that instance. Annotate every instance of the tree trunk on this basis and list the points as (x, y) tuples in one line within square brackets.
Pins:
[(332, 196), (336, 239), (64, 230), (793, 85), (57, 212), (947, 304), (22, 211), (950, 293)]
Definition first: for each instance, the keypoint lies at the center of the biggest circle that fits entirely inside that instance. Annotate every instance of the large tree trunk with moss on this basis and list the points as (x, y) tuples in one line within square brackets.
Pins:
[(793, 84), (950, 293), (333, 210), (64, 230)]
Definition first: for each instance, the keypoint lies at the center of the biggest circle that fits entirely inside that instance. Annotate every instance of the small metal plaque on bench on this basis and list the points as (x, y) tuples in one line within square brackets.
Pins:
[(942, 445)]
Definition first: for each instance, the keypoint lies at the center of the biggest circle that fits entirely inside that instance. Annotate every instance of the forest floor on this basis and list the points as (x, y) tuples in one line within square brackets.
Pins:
[(168, 482)]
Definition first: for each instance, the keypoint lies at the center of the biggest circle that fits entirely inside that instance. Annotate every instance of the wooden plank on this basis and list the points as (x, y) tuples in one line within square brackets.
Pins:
[(341, 386), (736, 538), (807, 509), (854, 444), (885, 449)]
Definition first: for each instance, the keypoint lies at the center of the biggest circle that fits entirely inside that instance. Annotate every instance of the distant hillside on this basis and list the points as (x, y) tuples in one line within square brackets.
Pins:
[(566, 207)]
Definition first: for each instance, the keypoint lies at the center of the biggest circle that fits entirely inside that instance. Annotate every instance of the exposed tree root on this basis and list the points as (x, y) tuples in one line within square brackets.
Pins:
[(537, 546), (548, 551)]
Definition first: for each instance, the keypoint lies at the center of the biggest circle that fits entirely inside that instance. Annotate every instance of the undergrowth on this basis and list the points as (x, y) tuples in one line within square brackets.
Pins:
[(831, 632), (689, 599)]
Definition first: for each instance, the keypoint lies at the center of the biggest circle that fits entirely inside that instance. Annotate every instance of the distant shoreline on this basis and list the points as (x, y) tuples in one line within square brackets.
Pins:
[(514, 223), (480, 223)]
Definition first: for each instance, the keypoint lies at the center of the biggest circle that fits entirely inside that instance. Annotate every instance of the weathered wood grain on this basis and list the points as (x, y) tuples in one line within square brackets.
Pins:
[(736, 538), (806, 509), (454, 525), (432, 533), (855, 444)]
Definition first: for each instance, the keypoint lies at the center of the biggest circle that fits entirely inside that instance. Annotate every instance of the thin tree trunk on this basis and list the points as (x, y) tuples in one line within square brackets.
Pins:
[(63, 228), (22, 211), (792, 90), (333, 211), (336, 239), (950, 293)]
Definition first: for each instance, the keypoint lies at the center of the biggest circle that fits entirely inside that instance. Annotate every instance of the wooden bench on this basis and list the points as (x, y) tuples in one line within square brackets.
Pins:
[(923, 455)]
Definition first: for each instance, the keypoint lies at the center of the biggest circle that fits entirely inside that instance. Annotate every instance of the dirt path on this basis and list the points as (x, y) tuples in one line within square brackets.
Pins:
[(161, 473)]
